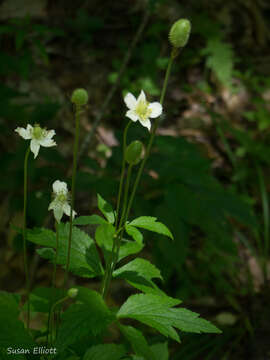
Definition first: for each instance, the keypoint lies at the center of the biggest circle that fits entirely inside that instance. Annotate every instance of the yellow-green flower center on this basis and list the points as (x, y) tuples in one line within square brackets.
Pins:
[(62, 197), (37, 132), (143, 110)]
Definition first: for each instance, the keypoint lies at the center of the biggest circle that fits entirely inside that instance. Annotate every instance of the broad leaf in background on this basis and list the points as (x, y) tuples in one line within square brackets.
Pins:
[(137, 341), (106, 209), (84, 258), (89, 316), (157, 312), (150, 223), (12, 331), (105, 352), (139, 273)]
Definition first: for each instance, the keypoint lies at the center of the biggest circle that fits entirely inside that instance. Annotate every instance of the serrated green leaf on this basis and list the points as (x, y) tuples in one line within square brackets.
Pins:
[(137, 341), (84, 258), (104, 238), (157, 312), (106, 209), (220, 59), (139, 273), (89, 220), (150, 223), (134, 233), (12, 331), (90, 316), (105, 352), (129, 247)]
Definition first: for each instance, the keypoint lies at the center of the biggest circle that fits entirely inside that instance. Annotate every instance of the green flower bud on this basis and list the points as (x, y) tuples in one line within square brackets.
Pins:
[(134, 152), (79, 97), (72, 293), (179, 33)]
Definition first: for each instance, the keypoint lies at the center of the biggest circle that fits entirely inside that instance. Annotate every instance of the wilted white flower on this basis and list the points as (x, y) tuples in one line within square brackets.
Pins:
[(60, 203), (141, 109), (39, 137)]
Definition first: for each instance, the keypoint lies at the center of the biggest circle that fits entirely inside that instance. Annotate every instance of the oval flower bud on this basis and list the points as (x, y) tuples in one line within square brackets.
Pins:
[(179, 33), (134, 152), (79, 97), (72, 293)]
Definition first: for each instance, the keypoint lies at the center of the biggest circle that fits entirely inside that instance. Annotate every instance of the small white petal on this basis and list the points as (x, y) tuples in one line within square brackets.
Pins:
[(146, 123), (130, 114), (58, 213), (24, 133), (34, 146), (156, 109), (52, 205), (130, 101), (141, 97), (67, 209), (60, 187), (50, 134), (47, 142)]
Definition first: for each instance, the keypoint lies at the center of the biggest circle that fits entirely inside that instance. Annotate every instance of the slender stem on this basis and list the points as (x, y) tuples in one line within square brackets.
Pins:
[(117, 238), (53, 286), (265, 206), (109, 263), (153, 133), (52, 311), (122, 171), (24, 235), (75, 154)]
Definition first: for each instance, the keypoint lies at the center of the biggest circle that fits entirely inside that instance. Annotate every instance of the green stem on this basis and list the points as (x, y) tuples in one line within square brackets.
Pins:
[(265, 206), (52, 311), (53, 286), (74, 169), (109, 263), (24, 236), (152, 136), (117, 239), (122, 171)]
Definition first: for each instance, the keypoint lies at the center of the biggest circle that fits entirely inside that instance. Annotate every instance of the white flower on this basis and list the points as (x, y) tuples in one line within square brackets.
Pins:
[(39, 137), (141, 109), (60, 204)]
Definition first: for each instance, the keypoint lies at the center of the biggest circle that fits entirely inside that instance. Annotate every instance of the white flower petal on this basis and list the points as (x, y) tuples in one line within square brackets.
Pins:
[(66, 208), (130, 114), (50, 134), (52, 205), (58, 213), (59, 187), (34, 146), (146, 123), (24, 133), (130, 101), (156, 109), (47, 142), (141, 97)]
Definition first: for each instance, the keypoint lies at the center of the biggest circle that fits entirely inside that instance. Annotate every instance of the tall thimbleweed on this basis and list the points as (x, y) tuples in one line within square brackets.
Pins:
[(39, 137), (79, 98)]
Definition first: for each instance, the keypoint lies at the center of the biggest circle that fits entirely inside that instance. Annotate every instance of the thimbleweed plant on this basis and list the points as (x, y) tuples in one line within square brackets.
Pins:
[(84, 316)]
